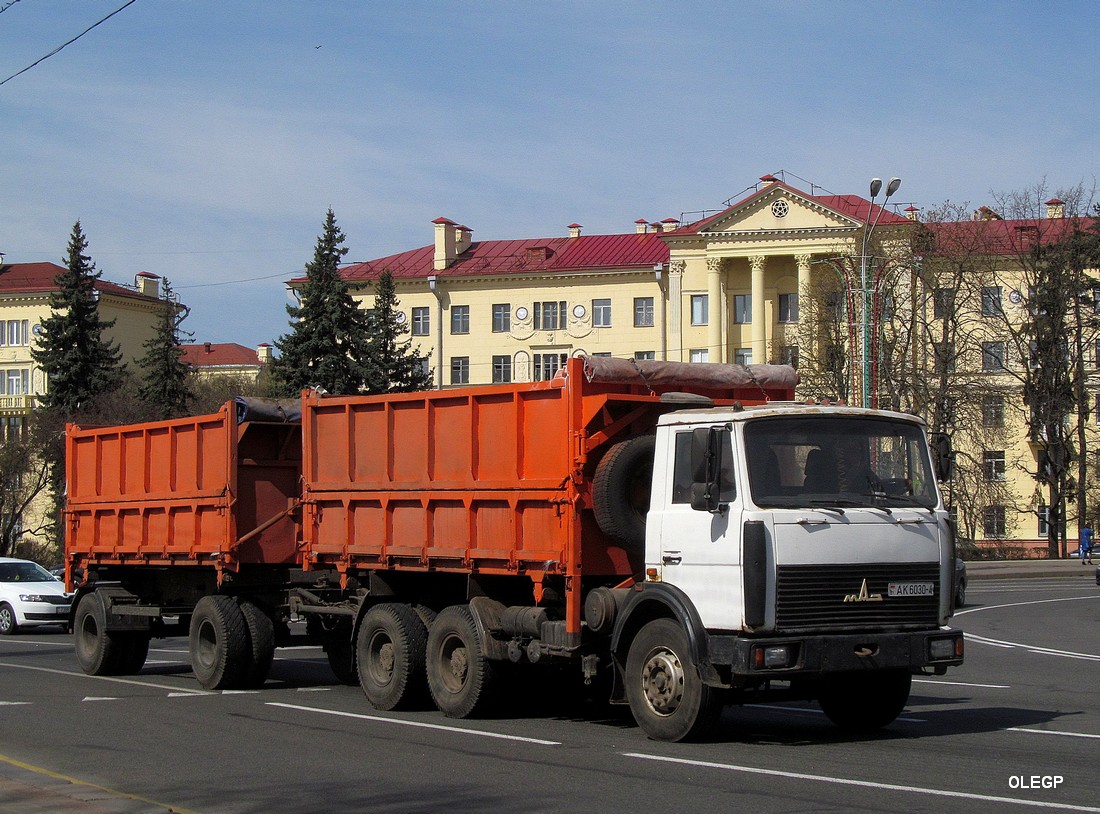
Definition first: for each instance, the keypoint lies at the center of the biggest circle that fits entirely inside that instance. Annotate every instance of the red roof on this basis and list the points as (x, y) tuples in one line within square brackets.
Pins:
[(210, 354), (491, 257), (1002, 237), (18, 278)]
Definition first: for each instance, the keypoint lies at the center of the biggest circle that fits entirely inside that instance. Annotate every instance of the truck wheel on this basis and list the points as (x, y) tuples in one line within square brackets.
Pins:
[(340, 650), (220, 652), (98, 652), (390, 653), (668, 698), (621, 487), (261, 638), (8, 624), (864, 702), (134, 653), (459, 676)]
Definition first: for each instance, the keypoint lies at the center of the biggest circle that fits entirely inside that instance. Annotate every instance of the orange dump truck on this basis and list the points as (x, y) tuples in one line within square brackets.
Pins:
[(617, 519)]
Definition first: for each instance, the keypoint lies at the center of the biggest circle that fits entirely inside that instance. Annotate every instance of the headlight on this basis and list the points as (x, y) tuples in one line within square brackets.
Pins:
[(31, 598), (946, 648)]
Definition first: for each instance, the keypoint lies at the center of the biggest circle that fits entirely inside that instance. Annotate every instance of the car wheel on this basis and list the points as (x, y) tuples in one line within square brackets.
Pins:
[(8, 625)]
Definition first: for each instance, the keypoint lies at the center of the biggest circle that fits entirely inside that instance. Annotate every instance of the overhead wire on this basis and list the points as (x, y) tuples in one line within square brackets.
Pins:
[(70, 42)]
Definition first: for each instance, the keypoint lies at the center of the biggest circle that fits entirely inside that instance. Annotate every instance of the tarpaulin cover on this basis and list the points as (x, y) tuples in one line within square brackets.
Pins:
[(681, 375), (288, 411)]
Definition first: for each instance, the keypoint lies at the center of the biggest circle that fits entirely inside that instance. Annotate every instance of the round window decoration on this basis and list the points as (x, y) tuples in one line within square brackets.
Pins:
[(521, 313), (780, 209), (578, 311)]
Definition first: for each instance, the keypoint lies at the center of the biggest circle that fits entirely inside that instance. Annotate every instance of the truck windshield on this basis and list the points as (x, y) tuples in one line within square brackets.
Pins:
[(838, 461)]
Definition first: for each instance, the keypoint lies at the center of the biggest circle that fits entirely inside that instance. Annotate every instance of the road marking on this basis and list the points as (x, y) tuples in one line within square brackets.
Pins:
[(1052, 732), (314, 689), (962, 684), (78, 782), (417, 724), (115, 679), (1042, 651), (14, 703), (98, 698), (867, 784), (1021, 604)]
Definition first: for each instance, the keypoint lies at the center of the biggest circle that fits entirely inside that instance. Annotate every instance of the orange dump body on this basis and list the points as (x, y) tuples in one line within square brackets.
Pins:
[(485, 480), (207, 490)]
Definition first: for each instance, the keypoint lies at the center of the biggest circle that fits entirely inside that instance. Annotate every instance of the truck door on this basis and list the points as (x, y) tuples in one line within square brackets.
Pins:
[(694, 549)]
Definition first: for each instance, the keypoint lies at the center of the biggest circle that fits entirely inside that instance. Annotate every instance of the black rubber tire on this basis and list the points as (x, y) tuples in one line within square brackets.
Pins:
[(667, 696), (864, 702), (135, 650), (8, 623), (98, 652), (220, 652), (621, 490), (390, 653), (340, 650), (261, 640), (460, 677)]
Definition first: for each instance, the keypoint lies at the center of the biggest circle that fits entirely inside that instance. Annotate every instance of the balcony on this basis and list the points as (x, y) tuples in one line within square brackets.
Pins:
[(18, 404)]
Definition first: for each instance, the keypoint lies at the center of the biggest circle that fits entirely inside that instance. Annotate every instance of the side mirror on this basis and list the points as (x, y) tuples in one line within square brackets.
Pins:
[(943, 456), (707, 448)]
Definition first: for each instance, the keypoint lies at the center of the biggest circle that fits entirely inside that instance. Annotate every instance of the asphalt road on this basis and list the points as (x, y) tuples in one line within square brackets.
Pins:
[(1015, 729)]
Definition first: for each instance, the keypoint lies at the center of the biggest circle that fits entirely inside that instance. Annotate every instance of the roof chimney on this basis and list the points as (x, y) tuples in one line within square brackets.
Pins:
[(574, 230), (206, 347), (1056, 208), (264, 353), (768, 180), (912, 213), (445, 243), (669, 225), (641, 226), (147, 284), (464, 236)]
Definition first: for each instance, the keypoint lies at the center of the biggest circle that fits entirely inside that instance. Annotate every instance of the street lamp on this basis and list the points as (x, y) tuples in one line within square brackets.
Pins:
[(865, 282)]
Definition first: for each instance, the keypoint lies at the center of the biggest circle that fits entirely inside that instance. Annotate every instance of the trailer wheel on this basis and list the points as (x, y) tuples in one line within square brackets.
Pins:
[(391, 651), (667, 697), (220, 652), (98, 652), (261, 638), (460, 677), (621, 489), (866, 701)]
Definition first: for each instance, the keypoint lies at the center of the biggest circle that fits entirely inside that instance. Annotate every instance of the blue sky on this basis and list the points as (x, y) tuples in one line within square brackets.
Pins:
[(205, 140)]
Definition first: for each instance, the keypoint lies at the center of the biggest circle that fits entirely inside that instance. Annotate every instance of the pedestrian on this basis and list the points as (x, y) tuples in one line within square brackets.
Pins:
[(1085, 546)]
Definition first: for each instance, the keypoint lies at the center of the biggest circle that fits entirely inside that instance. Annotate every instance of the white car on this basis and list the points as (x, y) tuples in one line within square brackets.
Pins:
[(29, 596)]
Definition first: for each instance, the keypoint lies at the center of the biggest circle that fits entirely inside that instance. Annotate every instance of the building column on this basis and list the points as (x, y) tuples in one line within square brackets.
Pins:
[(676, 310), (716, 304), (803, 261), (759, 329)]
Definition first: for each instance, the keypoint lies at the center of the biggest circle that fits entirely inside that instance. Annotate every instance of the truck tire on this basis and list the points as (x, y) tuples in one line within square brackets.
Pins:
[(390, 653), (261, 640), (460, 677), (667, 696), (220, 652), (621, 487), (98, 652), (135, 651), (866, 701)]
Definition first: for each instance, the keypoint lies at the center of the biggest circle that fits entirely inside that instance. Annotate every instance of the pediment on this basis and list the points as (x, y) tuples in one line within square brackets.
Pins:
[(775, 210)]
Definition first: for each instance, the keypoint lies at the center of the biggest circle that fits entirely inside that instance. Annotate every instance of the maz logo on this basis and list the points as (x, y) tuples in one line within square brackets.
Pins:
[(863, 596)]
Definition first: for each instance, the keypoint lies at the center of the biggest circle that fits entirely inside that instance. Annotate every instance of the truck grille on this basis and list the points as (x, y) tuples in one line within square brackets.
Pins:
[(812, 596)]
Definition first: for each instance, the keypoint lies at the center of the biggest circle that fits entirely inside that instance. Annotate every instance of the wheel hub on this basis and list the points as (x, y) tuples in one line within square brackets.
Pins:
[(663, 681)]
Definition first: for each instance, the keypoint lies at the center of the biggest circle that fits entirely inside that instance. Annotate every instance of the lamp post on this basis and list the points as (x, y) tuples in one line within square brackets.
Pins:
[(865, 281)]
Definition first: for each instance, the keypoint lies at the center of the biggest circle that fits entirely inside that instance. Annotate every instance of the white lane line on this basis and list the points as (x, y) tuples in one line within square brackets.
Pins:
[(1042, 651), (115, 679), (418, 724), (1052, 732), (962, 684), (867, 784)]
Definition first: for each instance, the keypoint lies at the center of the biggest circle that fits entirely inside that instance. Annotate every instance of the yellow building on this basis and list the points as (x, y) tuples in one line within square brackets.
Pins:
[(735, 286), (226, 360)]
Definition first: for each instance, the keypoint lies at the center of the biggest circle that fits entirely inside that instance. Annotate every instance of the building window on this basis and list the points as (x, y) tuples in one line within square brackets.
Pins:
[(742, 308), (943, 357), (788, 308), (742, 356), (699, 309), (601, 313), (991, 301), (789, 355), (460, 370), (549, 316), (993, 410), (15, 382), (502, 318), (993, 521), (943, 303), (547, 364), (421, 321), (643, 312), (460, 319), (645, 356), (993, 356), (699, 355), (993, 464), (1098, 354), (502, 369), (14, 332), (12, 428), (425, 368), (1044, 520)]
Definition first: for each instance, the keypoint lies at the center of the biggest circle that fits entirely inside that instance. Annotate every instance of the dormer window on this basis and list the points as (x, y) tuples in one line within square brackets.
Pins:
[(538, 254)]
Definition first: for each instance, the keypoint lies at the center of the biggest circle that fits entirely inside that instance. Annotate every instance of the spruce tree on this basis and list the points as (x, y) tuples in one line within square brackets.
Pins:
[(79, 362), (166, 381), (327, 346), (394, 366)]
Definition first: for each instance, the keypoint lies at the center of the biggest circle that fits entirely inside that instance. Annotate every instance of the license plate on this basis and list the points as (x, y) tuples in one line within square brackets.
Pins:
[(912, 589)]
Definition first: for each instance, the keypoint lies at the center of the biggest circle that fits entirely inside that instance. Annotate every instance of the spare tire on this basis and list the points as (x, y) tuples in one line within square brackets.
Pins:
[(621, 489)]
